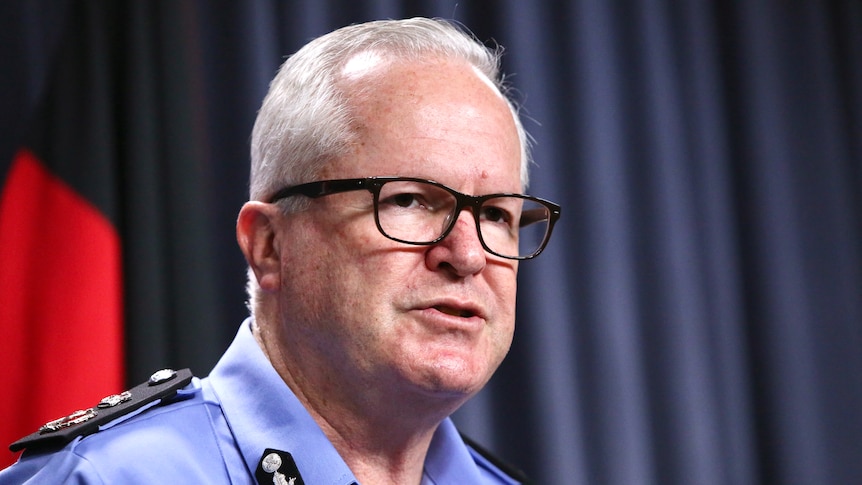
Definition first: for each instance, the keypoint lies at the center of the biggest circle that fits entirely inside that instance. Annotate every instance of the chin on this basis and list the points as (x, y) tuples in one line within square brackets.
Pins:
[(455, 378)]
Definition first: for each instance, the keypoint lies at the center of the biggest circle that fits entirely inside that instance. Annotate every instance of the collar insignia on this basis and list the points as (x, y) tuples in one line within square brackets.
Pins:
[(277, 467)]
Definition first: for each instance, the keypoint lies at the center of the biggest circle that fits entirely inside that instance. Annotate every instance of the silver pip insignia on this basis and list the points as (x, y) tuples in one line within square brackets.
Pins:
[(114, 399), (80, 416)]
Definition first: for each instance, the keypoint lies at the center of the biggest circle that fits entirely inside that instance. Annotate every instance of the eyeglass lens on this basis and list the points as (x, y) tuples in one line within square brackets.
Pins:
[(418, 212)]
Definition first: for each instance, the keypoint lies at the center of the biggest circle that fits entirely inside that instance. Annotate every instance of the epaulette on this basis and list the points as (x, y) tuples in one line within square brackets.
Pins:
[(56, 434), (497, 462)]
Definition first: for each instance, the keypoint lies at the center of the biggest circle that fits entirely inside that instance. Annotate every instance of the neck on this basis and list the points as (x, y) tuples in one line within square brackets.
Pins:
[(379, 459), (383, 436)]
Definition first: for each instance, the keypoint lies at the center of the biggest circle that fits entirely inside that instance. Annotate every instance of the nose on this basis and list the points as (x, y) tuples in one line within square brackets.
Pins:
[(460, 252)]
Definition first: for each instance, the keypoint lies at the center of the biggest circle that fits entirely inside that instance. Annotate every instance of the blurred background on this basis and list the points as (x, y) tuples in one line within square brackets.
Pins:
[(696, 319)]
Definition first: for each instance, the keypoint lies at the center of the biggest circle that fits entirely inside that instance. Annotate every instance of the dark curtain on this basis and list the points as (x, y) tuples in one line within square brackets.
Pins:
[(697, 318)]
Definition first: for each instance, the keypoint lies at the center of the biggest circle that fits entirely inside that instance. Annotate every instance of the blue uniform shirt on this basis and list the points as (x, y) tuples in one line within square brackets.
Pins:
[(216, 430)]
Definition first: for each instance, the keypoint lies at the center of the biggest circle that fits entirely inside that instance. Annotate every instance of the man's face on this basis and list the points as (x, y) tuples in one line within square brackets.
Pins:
[(429, 320)]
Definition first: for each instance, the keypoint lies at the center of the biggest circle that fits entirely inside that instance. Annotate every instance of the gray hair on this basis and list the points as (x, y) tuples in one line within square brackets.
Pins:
[(304, 120)]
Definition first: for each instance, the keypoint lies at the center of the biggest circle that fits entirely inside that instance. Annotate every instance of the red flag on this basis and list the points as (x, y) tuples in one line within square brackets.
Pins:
[(61, 310)]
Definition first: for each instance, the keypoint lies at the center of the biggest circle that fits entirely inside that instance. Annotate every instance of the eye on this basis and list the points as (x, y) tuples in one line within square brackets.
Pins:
[(414, 197), (497, 215), (404, 200)]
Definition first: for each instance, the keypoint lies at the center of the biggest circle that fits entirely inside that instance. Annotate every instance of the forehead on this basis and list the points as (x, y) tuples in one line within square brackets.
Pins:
[(435, 118)]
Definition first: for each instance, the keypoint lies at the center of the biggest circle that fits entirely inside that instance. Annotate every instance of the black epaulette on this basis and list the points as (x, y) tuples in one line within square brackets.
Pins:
[(56, 434), (497, 462)]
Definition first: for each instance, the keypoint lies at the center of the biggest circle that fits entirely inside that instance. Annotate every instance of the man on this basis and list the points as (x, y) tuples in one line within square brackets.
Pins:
[(382, 297)]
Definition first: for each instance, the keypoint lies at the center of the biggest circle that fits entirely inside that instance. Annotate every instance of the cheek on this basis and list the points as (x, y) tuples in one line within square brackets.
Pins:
[(505, 331), (505, 292), (351, 274), (503, 281)]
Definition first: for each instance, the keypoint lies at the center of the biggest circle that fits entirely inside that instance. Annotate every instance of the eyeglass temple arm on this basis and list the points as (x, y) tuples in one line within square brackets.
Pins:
[(319, 189), (533, 216)]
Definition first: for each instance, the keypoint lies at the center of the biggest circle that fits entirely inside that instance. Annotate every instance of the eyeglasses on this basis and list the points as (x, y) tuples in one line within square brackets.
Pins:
[(423, 212)]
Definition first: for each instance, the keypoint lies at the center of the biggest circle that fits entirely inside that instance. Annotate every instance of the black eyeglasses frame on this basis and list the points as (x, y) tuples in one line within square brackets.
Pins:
[(322, 188)]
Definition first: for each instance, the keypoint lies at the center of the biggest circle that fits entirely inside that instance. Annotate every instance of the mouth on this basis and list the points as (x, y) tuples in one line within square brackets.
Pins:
[(456, 312)]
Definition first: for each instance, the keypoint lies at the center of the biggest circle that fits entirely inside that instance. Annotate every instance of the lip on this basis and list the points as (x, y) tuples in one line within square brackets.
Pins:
[(459, 314)]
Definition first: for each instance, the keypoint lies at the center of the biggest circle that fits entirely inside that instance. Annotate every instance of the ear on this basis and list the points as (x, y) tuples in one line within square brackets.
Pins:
[(257, 238)]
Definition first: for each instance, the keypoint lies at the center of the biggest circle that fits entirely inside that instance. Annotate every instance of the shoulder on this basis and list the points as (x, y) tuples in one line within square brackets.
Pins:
[(156, 430), (162, 386)]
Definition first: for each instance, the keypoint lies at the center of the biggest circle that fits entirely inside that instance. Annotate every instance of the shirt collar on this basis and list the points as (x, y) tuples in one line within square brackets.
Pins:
[(262, 412), (449, 460)]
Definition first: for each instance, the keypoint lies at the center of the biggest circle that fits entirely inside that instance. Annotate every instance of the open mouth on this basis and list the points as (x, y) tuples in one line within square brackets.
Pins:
[(454, 311)]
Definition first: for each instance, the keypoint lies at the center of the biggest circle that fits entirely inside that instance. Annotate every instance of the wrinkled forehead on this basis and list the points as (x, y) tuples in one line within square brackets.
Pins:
[(429, 119), (363, 74)]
